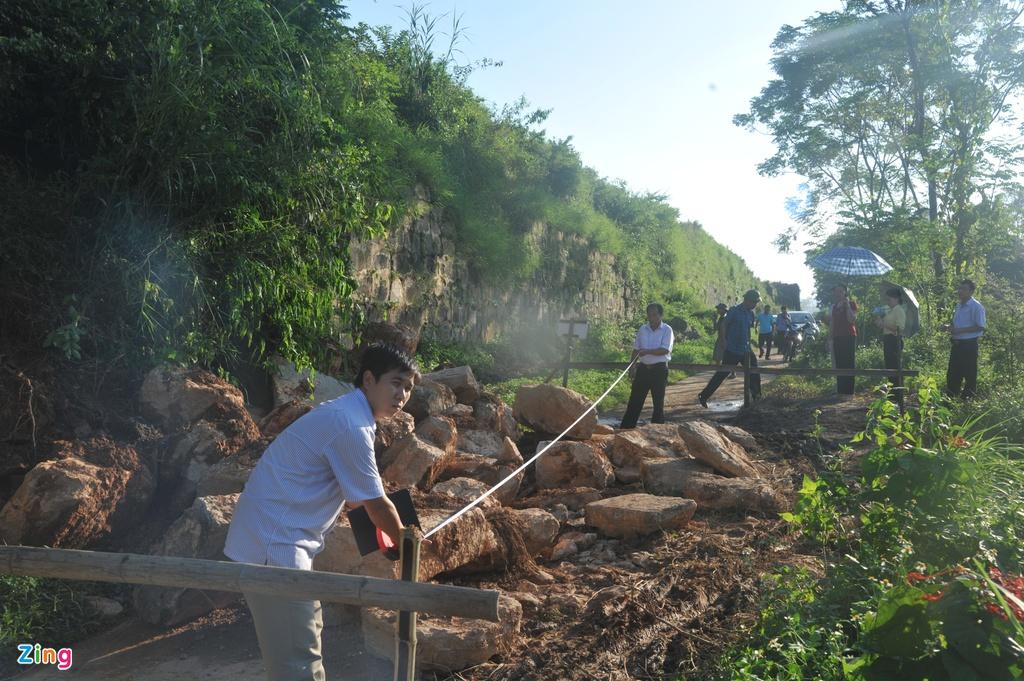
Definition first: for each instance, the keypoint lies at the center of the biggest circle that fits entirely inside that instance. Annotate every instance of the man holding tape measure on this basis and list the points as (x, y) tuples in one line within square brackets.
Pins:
[(652, 351), (295, 493)]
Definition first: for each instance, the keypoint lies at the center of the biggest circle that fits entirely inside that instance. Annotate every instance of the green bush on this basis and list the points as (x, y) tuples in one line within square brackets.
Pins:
[(925, 586)]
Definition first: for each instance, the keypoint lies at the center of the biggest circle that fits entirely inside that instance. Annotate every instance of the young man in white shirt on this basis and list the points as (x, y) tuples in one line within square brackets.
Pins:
[(653, 350), (968, 327), (295, 493)]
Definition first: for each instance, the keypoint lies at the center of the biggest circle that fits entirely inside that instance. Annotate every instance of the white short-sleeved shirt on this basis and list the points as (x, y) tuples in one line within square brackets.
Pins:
[(650, 339), (296, 491), (971, 313)]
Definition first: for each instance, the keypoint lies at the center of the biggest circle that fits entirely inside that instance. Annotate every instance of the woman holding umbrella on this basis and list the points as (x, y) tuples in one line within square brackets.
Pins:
[(850, 261), (843, 332)]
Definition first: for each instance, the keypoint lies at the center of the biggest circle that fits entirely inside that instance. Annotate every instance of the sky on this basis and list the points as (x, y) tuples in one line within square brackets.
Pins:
[(647, 92)]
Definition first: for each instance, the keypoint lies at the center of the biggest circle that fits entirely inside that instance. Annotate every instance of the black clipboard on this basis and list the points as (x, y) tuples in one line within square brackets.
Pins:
[(370, 538)]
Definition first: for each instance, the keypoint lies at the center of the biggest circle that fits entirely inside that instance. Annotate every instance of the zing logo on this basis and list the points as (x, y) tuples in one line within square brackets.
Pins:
[(36, 654)]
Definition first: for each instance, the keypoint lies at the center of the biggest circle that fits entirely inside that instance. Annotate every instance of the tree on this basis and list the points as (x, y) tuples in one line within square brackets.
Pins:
[(896, 112)]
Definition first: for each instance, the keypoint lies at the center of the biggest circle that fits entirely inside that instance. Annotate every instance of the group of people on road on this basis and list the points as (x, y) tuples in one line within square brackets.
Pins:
[(652, 348)]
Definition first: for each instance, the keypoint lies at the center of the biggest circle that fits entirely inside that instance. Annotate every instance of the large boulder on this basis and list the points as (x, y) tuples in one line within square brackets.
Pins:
[(486, 443), (99, 488), (573, 499), (429, 399), (739, 436), (392, 430), (637, 515), (693, 480), (175, 396), (456, 545), (667, 477), (573, 464), (538, 528), (447, 644), (290, 384), (439, 431), (551, 409), (284, 415), (654, 441), (490, 413), (630, 448), (706, 444), (461, 380), (405, 338), (199, 532), (229, 475), (411, 461), (465, 490), (732, 494), (191, 454), (487, 471)]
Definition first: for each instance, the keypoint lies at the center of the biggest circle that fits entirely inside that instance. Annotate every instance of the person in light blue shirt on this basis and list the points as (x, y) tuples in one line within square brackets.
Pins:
[(738, 323), (297, 490), (766, 329), (969, 324)]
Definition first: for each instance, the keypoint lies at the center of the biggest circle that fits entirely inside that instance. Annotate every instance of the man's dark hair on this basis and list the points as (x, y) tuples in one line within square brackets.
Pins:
[(895, 293), (846, 289), (380, 358), (767, 308), (658, 307), (969, 284), (785, 309)]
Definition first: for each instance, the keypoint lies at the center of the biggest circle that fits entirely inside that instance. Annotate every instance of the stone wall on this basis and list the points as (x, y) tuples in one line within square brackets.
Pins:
[(414, 276)]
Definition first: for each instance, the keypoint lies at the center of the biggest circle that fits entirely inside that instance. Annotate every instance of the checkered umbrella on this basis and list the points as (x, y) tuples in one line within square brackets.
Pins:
[(852, 261)]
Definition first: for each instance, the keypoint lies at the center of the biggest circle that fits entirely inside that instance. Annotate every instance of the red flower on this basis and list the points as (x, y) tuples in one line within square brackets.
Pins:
[(934, 597), (916, 577)]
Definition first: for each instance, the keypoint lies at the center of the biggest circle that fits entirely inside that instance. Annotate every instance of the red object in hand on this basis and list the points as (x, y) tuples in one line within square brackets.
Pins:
[(384, 541)]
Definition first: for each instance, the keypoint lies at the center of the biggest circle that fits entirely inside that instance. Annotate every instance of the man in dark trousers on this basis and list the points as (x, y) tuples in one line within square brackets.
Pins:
[(968, 327), (843, 332), (737, 346), (653, 351)]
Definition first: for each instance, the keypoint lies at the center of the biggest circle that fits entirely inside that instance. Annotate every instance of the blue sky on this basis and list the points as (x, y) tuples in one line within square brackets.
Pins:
[(647, 91)]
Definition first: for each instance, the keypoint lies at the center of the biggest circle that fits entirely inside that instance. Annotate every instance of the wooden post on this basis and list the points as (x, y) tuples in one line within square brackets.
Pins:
[(568, 355), (405, 639), (215, 575)]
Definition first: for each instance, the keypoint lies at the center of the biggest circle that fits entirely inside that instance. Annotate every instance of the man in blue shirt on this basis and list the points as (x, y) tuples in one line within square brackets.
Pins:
[(766, 326), (295, 493), (737, 346), (968, 327)]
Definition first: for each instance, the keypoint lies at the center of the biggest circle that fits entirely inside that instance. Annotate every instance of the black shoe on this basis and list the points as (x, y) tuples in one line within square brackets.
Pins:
[(703, 400)]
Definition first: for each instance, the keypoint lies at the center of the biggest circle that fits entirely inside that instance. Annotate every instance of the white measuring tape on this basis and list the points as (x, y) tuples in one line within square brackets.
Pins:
[(479, 500)]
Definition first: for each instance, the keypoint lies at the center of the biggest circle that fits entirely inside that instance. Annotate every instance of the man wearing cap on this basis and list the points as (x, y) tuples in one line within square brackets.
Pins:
[(652, 351), (738, 323)]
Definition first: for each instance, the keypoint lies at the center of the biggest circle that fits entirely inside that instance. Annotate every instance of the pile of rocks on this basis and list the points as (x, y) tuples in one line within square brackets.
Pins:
[(454, 440)]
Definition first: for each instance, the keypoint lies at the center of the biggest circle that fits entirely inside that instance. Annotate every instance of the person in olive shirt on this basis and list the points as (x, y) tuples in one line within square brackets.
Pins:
[(893, 324), (843, 332)]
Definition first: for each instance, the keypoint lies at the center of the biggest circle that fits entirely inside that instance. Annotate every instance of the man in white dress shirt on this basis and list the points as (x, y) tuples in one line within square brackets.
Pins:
[(967, 328), (653, 348), (295, 493)]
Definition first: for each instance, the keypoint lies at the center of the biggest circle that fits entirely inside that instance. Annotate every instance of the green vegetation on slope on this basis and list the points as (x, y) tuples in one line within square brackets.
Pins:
[(179, 180)]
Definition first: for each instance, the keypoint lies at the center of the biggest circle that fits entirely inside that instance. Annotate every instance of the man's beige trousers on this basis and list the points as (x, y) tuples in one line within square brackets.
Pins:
[(289, 636)]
